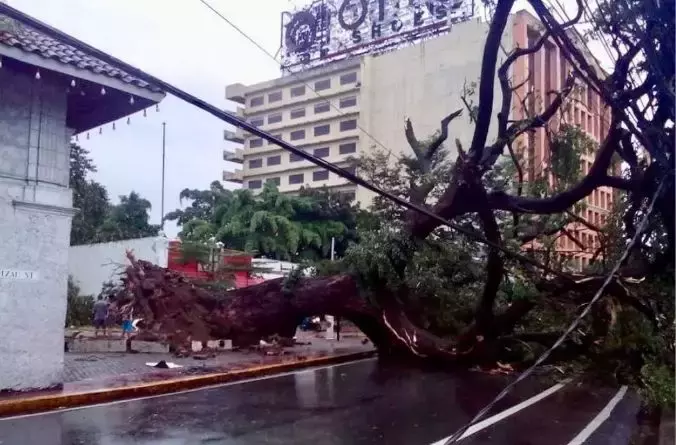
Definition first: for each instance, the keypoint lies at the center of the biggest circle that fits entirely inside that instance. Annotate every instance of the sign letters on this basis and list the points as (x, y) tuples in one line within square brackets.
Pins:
[(17, 275), (330, 30)]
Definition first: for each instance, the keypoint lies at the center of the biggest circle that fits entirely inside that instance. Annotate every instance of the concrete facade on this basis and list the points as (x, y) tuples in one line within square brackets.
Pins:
[(544, 71), (423, 82), (35, 219), (49, 91), (91, 265)]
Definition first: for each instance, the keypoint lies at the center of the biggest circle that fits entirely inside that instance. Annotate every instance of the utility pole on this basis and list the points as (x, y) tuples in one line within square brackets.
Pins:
[(164, 146), (333, 256)]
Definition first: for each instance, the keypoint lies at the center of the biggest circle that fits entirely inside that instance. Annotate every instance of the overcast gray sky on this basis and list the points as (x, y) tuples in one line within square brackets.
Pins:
[(184, 43)]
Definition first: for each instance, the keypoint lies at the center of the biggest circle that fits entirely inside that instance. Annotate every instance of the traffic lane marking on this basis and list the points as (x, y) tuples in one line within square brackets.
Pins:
[(552, 421), (600, 418), (506, 413)]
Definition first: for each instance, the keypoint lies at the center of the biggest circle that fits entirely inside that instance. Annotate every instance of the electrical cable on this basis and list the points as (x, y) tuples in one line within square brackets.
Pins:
[(480, 415), (240, 123)]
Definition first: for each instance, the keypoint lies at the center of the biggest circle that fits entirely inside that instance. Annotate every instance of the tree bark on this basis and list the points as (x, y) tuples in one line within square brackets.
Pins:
[(177, 311)]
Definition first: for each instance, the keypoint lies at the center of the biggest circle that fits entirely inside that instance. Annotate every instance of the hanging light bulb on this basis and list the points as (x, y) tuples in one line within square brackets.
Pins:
[(82, 93), (72, 83), (103, 91), (87, 135), (113, 125), (128, 120), (144, 112), (157, 107), (100, 130), (131, 100), (37, 75), (76, 138)]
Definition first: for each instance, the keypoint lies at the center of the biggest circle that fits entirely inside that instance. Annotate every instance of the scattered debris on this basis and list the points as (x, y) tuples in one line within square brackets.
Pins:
[(163, 364)]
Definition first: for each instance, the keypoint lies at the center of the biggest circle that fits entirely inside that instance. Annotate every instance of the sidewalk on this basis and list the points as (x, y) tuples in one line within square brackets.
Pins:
[(78, 367), (100, 378)]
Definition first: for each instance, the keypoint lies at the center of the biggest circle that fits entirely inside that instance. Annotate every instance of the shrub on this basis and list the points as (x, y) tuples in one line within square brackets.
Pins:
[(79, 310)]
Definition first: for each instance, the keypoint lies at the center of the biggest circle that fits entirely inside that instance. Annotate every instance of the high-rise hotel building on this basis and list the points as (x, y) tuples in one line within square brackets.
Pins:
[(347, 108)]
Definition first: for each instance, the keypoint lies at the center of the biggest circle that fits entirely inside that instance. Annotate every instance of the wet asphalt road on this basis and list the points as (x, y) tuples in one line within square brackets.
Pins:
[(355, 404)]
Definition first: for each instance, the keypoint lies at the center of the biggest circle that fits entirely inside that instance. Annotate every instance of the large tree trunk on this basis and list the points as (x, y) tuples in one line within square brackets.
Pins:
[(178, 311)]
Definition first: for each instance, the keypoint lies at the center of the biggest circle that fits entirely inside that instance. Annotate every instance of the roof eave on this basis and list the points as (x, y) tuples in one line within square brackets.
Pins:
[(69, 70)]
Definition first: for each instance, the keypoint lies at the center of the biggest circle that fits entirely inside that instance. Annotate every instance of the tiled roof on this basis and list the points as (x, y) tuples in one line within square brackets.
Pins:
[(17, 35)]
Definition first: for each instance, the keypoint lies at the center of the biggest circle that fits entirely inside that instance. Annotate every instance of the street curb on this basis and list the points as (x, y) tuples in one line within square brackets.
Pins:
[(44, 403)]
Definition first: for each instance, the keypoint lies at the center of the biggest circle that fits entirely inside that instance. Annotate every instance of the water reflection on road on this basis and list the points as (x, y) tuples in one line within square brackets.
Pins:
[(353, 404)]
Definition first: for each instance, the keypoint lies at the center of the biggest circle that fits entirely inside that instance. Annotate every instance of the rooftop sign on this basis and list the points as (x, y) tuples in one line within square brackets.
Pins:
[(330, 30)]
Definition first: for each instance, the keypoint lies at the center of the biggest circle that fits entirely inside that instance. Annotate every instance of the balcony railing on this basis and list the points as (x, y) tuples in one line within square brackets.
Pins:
[(234, 176)]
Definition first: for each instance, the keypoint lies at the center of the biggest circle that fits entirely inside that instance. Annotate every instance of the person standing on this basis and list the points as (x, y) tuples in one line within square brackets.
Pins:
[(127, 325), (100, 314)]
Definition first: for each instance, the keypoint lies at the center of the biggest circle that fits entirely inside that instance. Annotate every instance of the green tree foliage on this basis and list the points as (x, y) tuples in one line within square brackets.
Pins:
[(269, 224), (97, 219), (79, 307), (89, 197), (127, 220)]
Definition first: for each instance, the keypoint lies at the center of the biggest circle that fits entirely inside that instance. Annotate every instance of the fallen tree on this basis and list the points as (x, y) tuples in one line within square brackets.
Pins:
[(418, 288)]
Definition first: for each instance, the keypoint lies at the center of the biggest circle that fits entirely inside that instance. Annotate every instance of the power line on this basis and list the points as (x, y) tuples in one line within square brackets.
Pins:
[(295, 75), (458, 434), (240, 123)]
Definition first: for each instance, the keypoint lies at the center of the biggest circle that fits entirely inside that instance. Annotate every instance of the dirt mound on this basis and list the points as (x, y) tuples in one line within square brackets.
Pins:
[(171, 308)]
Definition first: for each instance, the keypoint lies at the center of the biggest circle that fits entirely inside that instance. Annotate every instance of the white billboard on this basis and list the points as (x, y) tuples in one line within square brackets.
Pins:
[(330, 30)]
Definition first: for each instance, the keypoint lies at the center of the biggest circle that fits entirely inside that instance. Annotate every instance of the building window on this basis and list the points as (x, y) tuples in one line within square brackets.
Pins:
[(348, 148), (298, 91), (256, 121), (275, 97), (590, 125), (296, 179), (278, 136), (322, 84), (320, 175), (563, 69), (550, 75), (298, 112), (321, 152), (348, 125), (275, 181), (255, 143), (274, 160), (348, 78), (274, 118), (256, 101), (255, 184), (349, 196), (293, 157), (255, 163), (297, 134), (322, 107), (346, 102), (322, 130)]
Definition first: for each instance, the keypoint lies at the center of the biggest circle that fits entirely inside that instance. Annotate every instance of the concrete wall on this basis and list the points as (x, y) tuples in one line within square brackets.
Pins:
[(424, 82), (92, 265), (35, 219)]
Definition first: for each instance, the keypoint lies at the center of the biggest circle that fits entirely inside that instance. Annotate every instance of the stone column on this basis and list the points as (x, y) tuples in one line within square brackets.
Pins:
[(35, 220)]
